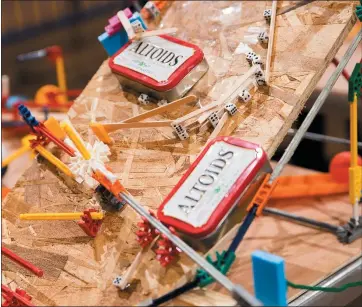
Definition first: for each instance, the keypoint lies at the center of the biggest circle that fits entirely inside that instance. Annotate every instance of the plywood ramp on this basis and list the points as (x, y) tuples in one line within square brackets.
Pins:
[(79, 270)]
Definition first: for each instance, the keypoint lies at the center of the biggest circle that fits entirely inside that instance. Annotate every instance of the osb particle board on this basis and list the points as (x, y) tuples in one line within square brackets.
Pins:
[(150, 162)]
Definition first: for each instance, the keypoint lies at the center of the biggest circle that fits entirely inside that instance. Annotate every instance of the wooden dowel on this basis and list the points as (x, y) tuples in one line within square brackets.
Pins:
[(155, 33), (169, 107), (150, 124), (271, 41)]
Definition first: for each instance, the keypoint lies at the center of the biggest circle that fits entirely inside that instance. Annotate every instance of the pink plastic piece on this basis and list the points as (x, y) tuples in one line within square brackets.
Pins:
[(128, 12)]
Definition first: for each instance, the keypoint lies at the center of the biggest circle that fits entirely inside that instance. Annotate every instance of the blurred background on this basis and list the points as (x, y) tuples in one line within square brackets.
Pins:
[(75, 25)]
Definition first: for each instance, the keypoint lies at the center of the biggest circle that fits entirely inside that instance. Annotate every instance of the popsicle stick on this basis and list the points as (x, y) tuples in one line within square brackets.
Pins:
[(169, 107), (155, 33), (231, 95), (151, 124), (271, 41), (134, 265), (126, 24)]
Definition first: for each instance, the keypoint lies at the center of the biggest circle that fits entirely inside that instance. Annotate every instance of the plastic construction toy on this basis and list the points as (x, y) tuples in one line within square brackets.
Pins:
[(25, 148), (47, 98), (116, 35), (359, 11), (51, 95), (17, 298), (352, 230)]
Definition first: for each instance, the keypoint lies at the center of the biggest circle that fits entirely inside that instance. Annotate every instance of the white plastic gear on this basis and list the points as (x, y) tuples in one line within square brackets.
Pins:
[(83, 169)]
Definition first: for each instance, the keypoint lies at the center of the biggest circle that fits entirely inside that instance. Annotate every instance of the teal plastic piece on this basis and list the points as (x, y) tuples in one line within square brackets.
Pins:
[(359, 11), (355, 83), (222, 263), (113, 43), (270, 284)]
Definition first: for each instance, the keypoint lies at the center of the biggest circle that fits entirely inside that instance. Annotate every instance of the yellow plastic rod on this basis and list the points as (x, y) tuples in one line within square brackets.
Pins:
[(77, 141), (15, 155), (59, 216), (355, 171), (54, 160), (353, 128), (25, 141), (62, 83)]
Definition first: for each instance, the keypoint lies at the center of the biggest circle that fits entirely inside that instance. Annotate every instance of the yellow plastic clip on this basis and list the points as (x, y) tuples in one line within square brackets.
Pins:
[(54, 160), (101, 133), (59, 216), (77, 141)]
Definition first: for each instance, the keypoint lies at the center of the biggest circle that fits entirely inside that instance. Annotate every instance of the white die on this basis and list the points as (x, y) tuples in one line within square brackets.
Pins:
[(245, 95), (259, 73), (144, 99), (261, 80), (263, 37), (162, 102), (180, 131), (152, 8), (213, 119), (267, 14), (257, 60), (137, 26), (231, 108), (117, 281), (249, 56)]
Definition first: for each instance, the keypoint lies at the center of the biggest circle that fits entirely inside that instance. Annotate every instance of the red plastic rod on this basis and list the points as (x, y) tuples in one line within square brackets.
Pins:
[(18, 298), (26, 264)]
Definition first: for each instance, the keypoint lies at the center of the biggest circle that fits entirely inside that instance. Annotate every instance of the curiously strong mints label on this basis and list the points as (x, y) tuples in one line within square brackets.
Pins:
[(208, 184), (154, 57)]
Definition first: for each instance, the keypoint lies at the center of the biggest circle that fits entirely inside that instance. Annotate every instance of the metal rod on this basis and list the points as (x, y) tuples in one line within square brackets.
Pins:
[(291, 216), (315, 109), (239, 294), (323, 138)]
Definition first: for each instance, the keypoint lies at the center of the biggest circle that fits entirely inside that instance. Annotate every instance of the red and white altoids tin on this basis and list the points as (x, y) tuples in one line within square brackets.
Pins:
[(161, 66), (213, 194)]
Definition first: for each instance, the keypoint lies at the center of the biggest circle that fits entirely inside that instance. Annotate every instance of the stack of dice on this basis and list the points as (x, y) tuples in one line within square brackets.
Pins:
[(260, 77), (180, 131), (267, 15), (263, 37)]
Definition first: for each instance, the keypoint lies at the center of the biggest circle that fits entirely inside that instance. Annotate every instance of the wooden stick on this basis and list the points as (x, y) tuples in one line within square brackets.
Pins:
[(151, 124), (271, 41), (169, 107), (232, 94), (134, 265), (155, 33), (126, 24)]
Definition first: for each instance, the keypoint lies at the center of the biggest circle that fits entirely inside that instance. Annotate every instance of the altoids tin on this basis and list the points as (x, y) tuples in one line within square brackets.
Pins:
[(162, 67), (213, 194)]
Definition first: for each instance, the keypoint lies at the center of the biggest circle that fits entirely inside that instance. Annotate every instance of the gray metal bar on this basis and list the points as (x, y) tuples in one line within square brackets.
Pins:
[(239, 294), (288, 153), (301, 219), (323, 138)]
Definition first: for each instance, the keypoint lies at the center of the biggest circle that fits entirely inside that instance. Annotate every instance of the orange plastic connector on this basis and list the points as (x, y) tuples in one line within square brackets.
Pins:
[(263, 195), (115, 188), (53, 126)]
